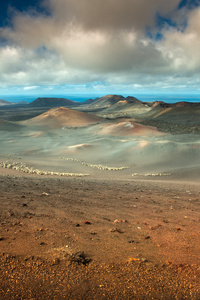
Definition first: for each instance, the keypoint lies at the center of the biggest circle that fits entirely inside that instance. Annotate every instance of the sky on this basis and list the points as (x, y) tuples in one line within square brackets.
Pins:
[(98, 47)]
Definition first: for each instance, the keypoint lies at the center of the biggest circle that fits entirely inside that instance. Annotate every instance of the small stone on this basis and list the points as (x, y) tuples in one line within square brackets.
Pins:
[(120, 221), (131, 242), (80, 258), (107, 219), (44, 194), (27, 258), (134, 259), (55, 262), (24, 205), (147, 237), (77, 225), (87, 222), (144, 223), (165, 221), (11, 214), (42, 244), (116, 230), (144, 259), (178, 228)]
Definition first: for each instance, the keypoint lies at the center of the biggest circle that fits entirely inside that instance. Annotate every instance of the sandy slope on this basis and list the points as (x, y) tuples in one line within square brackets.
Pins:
[(129, 128), (61, 116)]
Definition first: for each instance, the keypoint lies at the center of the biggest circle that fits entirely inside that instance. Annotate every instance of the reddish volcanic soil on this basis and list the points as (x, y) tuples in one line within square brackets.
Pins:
[(62, 116), (81, 238), (129, 128)]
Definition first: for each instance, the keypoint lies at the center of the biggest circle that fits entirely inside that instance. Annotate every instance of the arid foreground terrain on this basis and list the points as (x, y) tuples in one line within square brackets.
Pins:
[(100, 200)]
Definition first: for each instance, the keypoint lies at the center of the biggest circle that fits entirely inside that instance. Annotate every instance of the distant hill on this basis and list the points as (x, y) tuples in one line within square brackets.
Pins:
[(89, 101), (63, 117), (4, 102), (115, 106), (22, 102), (113, 100), (107, 101), (52, 102), (180, 111)]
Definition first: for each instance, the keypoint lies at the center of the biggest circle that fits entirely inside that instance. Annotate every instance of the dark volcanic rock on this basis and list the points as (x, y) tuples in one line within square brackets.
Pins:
[(52, 102), (133, 100)]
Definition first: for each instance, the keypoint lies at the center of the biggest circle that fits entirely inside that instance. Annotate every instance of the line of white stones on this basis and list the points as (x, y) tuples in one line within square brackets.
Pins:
[(100, 167), (23, 168)]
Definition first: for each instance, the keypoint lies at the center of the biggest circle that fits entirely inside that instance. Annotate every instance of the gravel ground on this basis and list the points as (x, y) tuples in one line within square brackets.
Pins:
[(81, 238)]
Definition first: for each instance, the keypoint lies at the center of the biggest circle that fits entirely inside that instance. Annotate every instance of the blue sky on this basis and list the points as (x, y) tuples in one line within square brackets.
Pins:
[(99, 47)]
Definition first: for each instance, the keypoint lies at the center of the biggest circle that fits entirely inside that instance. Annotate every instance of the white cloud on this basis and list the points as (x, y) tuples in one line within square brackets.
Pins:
[(100, 41), (30, 88)]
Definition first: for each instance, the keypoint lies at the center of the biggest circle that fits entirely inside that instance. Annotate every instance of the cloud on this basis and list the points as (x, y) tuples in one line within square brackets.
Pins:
[(182, 47), (102, 41), (30, 88), (110, 14)]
